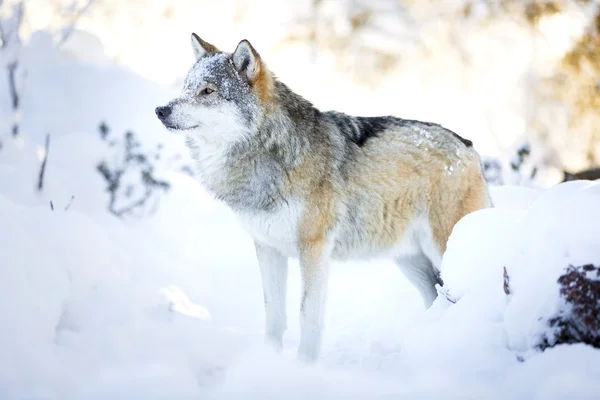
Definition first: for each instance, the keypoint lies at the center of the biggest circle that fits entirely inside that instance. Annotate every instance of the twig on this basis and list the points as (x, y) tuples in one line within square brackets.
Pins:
[(444, 292), (66, 32), (2, 34), (130, 207), (506, 282), (69, 203), (9, 34), (14, 94), (43, 166), (12, 67)]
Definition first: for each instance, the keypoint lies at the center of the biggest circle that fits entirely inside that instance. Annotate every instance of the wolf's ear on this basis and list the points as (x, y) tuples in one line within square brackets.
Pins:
[(247, 61), (202, 48)]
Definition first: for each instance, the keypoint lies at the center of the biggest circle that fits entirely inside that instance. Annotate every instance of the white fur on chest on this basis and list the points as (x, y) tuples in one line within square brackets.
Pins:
[(278, 229)]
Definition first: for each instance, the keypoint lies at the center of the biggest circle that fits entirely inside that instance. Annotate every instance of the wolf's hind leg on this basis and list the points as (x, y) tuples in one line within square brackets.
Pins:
[(419, 270), (273, 270)]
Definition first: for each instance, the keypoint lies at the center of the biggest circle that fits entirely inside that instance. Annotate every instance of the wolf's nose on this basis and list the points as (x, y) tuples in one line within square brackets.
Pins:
[(163, 112)]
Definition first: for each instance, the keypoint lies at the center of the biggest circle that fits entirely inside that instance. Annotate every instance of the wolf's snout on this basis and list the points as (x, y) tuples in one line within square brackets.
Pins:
[(163, 112)]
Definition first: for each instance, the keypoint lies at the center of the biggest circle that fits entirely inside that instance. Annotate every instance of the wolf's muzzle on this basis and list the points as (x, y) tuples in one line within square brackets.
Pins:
[(163, 112)]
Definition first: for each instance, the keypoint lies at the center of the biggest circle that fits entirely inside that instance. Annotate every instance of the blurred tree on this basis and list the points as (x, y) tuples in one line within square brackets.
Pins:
[(10, 42), (13, 19)]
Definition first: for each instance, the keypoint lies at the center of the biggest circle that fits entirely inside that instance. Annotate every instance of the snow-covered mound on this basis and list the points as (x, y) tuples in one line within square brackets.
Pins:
[(561, 229), (535, 246), (172, 307)]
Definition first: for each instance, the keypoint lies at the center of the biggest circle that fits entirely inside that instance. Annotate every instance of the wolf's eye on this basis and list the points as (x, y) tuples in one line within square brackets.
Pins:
[(206, 91)]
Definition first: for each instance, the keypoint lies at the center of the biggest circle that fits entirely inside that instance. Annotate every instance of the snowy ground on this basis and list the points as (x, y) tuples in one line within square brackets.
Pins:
[(171, 306), (96, 309)]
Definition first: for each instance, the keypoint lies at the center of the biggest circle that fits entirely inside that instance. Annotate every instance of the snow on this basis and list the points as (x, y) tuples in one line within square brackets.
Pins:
[(509, 196), (535, 245), (570, 237), (170, 306)]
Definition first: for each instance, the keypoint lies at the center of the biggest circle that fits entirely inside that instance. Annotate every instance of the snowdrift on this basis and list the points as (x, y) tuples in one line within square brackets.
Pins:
[(97, 309)]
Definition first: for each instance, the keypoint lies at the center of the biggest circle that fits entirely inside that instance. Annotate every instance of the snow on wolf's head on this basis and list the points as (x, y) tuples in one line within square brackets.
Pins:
[(222, 95)]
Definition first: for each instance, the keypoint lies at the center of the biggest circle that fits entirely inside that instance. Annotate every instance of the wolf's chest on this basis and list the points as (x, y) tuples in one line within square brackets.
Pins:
[(278, 228)]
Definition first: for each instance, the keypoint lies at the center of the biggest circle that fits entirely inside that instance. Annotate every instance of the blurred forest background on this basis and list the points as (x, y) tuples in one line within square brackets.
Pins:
[(521, 78)]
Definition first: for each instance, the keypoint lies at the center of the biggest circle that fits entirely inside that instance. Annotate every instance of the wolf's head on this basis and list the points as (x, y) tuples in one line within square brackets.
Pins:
[(224, 94)]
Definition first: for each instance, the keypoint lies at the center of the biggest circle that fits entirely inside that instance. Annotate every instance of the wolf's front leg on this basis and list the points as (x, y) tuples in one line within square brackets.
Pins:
[(273, 269), (315, 270)]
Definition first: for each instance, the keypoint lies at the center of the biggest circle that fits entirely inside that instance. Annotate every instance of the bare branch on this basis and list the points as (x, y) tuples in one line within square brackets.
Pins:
[(130, 207), (43, 166), (69, 203), (14, 95), (77, 13), (11, 41), (19, 10), (9, 28), (2, 34), (506, 282)]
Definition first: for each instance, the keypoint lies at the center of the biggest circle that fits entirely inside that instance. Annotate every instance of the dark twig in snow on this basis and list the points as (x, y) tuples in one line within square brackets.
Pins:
[(506, 282), (130, 181), (69, 203), (444, 292), (14, 94), (43, 166), (11, 42)]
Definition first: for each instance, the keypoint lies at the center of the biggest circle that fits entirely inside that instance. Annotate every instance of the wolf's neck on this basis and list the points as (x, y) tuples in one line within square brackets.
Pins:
[(247, 176), (252, 174), (285, 129)]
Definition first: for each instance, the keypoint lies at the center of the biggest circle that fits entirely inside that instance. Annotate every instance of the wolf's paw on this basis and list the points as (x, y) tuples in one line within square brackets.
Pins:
[(273, 343)]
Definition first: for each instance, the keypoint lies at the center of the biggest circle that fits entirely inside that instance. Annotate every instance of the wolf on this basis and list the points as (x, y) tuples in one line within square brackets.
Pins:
[(320, 186)]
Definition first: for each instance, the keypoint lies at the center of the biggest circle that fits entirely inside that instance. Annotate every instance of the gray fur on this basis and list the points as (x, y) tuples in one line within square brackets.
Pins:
[(258, 163)]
